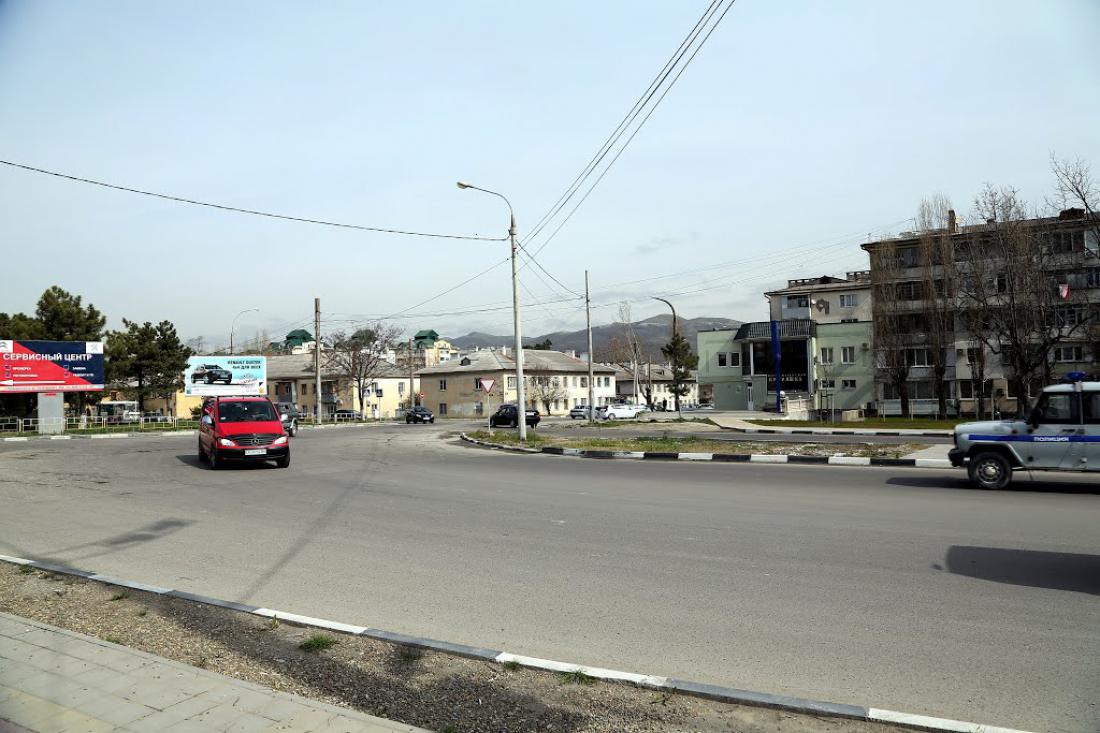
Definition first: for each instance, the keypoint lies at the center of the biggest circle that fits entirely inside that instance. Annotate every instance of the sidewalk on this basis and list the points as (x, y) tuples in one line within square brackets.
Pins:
[(53, 680), (743, 426)]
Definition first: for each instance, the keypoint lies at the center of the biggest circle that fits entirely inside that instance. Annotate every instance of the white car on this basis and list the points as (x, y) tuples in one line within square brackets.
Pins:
[(623, 412)]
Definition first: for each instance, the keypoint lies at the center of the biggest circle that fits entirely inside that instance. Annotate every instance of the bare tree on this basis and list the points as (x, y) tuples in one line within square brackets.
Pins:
[(889, 313), (361, 356), (935, 219), (1014, 292), (545, 388)]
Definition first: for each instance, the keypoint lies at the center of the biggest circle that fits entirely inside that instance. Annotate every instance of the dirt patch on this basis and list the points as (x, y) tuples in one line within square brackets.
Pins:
[(429, 689), (673, 444)]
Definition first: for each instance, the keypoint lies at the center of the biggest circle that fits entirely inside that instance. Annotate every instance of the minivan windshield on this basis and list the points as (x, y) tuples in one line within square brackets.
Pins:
[(250, 411)]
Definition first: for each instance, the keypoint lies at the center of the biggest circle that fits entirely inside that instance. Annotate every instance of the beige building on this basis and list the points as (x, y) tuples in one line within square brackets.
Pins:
[(633, 389), (554, 383), (291, 380)]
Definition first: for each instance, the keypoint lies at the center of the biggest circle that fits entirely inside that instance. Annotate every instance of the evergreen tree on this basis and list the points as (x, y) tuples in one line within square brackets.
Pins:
[(682, 361), (147, 360), (64, 318)]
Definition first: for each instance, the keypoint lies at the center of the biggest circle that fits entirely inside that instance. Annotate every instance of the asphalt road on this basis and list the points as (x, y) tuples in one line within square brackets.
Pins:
[(652, 429), (895, 588)]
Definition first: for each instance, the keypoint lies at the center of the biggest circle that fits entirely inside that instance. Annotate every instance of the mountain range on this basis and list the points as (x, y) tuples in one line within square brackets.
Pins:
[(652, 334)]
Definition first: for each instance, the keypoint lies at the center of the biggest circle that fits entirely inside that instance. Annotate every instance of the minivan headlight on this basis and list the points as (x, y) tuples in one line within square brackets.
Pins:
[(225, 441), (281, 440)]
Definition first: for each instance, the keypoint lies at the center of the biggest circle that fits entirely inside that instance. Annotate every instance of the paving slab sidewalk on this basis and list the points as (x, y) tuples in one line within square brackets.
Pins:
[(53, 680)]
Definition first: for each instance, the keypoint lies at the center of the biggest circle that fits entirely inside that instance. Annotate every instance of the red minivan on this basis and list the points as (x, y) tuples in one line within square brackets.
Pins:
[(242, 429)]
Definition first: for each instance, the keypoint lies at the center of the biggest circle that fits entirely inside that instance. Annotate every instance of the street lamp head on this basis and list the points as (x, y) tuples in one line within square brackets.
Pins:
[(463, 184)]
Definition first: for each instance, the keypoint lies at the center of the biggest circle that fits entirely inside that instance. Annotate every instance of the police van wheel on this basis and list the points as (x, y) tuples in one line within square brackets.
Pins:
[(990, 471)]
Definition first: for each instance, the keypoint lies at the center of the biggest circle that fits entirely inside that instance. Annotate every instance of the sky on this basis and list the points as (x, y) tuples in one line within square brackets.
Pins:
[(801, 129)]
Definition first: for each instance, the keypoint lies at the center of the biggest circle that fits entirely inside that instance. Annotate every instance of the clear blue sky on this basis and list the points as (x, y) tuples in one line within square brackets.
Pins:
[(799, 123)]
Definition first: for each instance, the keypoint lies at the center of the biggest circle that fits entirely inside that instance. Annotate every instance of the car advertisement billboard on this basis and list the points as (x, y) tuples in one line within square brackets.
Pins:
[(51, 366), (225, 375)]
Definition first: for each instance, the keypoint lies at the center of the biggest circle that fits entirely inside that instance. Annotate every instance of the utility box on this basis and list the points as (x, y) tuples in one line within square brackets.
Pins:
[(51, 412)]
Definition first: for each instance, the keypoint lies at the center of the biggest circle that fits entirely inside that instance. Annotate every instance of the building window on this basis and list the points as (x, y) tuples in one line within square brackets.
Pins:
[(722, 359), (848, 300), (477, 384), (848, 355), (826, 384), (511, 382), (917, 357), (442, 385), (798, 301), (1068, 353), (442, 408), (827, 355), (479, 408), (400, 388), (584, 382), (847, 384), (735, 359)]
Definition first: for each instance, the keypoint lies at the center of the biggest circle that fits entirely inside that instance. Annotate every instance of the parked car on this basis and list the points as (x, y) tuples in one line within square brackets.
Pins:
[(419, 415), (1062, 433), (289, 416), (242, 429), (624, 412), (347, 415), (581, 412), (508, 416), (211, 373)]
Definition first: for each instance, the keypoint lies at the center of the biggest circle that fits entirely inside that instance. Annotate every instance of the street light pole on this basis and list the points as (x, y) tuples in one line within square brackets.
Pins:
[(233, 328), (521, 409), (675, 385)]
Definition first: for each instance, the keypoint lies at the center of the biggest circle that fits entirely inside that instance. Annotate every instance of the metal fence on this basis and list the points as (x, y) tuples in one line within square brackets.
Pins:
[(94, 424)]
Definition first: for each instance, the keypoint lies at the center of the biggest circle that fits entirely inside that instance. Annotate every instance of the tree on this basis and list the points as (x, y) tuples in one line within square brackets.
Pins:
[(888, 313), (935, 218), (1014, 292), (543, 345), (20, 327), (146, 360), (360, 356), (681, 360), (64, 318), (544, 388)]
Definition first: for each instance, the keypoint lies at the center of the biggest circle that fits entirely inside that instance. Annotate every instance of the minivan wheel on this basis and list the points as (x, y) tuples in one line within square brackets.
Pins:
[(283, 462), (202, 453), (212, 458), (990, 471)]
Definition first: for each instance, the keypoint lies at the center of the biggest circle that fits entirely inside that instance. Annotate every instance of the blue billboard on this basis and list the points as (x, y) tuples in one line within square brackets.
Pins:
[(51, 366)]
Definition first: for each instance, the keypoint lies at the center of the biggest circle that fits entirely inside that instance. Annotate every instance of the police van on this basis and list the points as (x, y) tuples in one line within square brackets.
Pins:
[(1062, 433)]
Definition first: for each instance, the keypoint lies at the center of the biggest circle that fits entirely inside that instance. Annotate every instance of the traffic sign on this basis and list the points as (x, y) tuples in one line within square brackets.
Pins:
[(487, 385), (53, 366)]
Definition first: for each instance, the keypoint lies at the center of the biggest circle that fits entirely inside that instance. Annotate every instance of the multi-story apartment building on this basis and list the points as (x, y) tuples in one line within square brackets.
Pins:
[(554, 383), (631, 384), (291, 380), (824, 329), (943, 296)]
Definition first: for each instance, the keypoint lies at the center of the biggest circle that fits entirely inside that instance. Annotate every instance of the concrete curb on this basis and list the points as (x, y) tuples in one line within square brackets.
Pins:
[(670, 684), (167, 433), (721, 457)]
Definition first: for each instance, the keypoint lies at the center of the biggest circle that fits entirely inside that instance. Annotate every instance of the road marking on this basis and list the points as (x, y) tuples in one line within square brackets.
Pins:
[(16, 440), (309, 621), (645, 680), (61, 437)]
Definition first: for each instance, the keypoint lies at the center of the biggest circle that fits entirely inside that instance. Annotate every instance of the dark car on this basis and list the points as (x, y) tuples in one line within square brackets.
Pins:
[(242, 429), (419, 414), (289, 415), (347, 415), (508, 416), (211, 373)]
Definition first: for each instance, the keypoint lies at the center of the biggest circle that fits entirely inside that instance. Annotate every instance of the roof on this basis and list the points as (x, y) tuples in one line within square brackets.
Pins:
[(789, 328), (1066, 219), (656, 372), (534, 360), (818, 287), (300, 366)]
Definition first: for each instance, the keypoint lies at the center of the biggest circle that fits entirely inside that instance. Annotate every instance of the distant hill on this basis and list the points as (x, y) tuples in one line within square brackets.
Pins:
[(652, 333)]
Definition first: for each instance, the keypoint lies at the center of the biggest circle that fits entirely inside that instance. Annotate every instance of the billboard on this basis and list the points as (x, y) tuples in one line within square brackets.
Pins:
[(225, 375), (51, 366)]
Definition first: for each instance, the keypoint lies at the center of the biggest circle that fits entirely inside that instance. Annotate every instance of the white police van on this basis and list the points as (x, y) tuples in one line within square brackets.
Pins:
[(1062, 433)]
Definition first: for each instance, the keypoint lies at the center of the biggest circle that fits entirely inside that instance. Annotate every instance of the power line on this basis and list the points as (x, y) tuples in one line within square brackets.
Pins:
[(636, 129), (253, 212)]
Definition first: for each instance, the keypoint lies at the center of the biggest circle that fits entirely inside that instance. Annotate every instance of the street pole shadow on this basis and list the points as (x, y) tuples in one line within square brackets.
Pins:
[(1033, 568)]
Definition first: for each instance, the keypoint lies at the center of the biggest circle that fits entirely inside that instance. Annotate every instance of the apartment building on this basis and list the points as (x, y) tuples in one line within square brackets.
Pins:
[(554, 383), (291, 380), (632, 383), (943, 287)]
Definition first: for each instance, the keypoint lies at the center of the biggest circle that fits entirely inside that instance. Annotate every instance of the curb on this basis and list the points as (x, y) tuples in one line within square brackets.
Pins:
[(721, 457), (166, 433), (670, 684), (826, 431)]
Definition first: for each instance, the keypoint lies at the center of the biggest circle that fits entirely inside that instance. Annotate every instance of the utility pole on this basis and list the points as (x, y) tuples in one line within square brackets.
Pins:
[(317, 357), (412, 394), (521, 406), (588, 325), (675, 384)]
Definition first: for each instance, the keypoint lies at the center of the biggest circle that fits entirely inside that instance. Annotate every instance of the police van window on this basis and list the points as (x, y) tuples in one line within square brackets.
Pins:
[(1058, 408), (1092, 407)]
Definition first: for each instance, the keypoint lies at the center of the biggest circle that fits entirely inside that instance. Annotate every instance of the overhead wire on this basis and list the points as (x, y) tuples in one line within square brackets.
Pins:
[(253, 212)]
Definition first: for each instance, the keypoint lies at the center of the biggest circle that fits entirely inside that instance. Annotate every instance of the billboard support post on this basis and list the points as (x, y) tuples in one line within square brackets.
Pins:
[(51, 412)]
